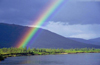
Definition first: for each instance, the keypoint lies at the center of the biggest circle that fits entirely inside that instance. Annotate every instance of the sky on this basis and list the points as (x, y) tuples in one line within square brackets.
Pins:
[(76, 18)]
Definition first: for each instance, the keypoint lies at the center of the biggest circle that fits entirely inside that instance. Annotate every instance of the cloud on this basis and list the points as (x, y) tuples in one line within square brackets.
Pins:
[(87, 31), (20, 11), (80, 13), (90, 0), (25, 11)]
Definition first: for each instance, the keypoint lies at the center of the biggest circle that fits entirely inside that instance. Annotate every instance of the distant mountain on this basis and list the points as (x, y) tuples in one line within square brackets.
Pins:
[(10, 35), (91, 41), (95, 40)]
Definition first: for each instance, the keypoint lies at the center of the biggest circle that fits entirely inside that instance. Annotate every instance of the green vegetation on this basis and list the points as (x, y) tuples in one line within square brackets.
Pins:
[(12, 52), (83, 50)]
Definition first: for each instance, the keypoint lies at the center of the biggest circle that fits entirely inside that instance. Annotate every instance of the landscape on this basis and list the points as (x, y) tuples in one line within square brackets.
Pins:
[(53, 32), (48, 43)]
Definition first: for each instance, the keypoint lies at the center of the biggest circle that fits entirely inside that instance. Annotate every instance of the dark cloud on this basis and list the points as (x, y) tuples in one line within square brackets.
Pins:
[(25, 11), (19, 11), (80, 13)]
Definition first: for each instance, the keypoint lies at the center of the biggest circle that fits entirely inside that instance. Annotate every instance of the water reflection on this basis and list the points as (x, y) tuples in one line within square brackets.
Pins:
[(69, 59)]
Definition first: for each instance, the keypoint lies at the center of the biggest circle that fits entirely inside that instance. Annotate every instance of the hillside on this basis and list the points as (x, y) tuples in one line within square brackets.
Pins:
[(95, 41), (10, 35)]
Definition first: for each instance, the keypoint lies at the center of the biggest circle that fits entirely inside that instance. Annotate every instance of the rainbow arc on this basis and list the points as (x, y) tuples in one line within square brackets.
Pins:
[(49, 10)]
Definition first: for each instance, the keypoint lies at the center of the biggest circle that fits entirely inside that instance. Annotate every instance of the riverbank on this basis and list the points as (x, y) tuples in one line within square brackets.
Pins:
[(13, 52), (2, 57)]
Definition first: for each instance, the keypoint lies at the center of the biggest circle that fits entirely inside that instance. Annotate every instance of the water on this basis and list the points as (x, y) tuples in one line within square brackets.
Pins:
[(68, 59)]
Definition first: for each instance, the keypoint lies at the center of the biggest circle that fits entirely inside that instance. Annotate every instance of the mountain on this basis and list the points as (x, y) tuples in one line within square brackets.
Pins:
[(91, 41), (10, 35), (95, 40)]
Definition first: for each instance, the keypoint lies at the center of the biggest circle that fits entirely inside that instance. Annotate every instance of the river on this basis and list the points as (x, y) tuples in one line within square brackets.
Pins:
[(64, 59)]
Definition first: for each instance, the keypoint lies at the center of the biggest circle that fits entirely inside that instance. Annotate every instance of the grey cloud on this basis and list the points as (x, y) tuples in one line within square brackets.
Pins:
[(86, 31), (25, 11), (20, 10), (80, 13)]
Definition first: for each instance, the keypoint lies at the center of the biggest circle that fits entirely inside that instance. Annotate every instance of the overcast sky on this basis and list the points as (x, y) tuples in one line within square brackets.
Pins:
[(77, 18)]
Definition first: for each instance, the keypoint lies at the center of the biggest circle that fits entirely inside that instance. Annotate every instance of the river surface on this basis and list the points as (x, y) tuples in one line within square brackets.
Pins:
[(67, 59)]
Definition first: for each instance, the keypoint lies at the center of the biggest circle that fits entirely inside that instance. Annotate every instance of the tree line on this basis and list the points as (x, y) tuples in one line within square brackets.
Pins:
[(9, 52)]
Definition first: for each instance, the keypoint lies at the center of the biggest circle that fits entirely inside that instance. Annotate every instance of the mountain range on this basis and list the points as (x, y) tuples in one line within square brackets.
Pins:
[(10, 34), (95, 41)]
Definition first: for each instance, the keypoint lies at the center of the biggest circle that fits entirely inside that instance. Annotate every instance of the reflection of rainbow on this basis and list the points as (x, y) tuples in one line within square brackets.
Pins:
[(47, 12)]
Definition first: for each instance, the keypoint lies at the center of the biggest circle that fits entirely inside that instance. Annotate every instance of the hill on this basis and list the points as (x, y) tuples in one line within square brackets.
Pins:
[(95, 41), (10, 35)]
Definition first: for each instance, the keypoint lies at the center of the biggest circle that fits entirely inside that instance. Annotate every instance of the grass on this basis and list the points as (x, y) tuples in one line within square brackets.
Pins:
[(12, 52)]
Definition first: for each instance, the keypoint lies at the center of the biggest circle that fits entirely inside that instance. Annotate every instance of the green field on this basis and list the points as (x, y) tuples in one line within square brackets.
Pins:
[(12, 52)]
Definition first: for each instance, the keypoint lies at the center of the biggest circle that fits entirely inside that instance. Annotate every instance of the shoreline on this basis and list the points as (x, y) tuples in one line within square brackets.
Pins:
[(3, 58), (13, 52)]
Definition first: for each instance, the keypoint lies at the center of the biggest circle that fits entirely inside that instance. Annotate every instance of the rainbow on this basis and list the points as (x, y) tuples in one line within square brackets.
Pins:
[(46, 14)]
